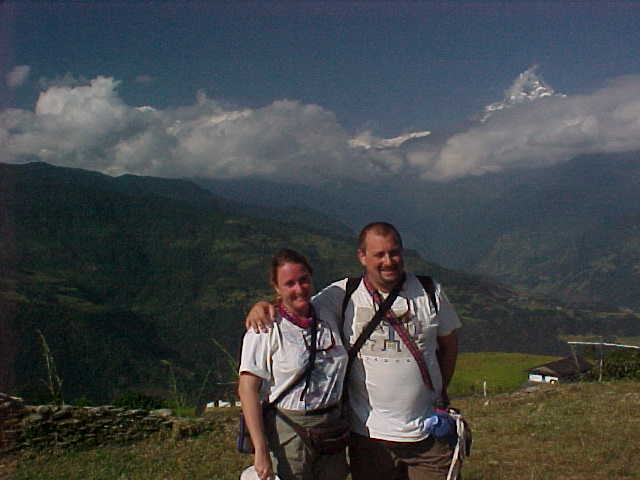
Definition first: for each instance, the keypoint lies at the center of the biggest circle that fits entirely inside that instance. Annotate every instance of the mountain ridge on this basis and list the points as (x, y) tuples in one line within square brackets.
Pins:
[(473, 222), (119, 282)]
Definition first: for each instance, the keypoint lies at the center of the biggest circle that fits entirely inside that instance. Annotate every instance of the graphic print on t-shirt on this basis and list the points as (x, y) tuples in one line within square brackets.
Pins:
[(384, 341)]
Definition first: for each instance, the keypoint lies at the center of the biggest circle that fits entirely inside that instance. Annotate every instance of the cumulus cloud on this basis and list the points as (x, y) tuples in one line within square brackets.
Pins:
[(89, 126), (18, 76), (547, 131)]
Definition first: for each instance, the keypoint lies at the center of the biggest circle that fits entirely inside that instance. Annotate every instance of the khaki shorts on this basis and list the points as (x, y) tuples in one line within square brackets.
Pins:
[(292, 459), (371, 458)]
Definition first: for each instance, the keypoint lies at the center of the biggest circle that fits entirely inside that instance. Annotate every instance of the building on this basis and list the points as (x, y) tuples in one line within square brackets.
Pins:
[(559, 370)]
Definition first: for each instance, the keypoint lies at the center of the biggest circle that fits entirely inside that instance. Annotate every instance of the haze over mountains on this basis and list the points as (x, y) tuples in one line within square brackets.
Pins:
[(570, 231)]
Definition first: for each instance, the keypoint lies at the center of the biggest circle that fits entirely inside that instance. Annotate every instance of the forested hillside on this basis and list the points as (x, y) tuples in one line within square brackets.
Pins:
[(130, 279), (569, 231)]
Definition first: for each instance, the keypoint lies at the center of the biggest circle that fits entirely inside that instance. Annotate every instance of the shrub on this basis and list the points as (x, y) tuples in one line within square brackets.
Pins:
[(618, 365), (135, 400)]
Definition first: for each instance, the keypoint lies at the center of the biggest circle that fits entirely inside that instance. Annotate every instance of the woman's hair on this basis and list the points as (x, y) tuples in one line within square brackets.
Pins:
[(286, 255)]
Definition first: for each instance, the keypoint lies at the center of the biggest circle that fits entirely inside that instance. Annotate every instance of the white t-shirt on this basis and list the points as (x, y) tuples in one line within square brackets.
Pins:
[(280, 355), (387, 395)]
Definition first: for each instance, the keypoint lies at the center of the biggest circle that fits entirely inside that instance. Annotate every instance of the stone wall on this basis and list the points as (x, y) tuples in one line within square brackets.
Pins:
[(47, 426)]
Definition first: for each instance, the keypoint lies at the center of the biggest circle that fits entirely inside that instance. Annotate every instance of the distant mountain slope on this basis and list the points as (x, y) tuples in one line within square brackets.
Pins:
[(123, 274), (538, 228), (574, 233), (284, 202), (597, 262)]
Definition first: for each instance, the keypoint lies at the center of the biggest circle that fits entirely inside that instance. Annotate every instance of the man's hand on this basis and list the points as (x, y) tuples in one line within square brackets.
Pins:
[(261, 317)]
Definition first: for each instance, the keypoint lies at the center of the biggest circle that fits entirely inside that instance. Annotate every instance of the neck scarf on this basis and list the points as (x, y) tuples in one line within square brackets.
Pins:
[(302, 322), (377, 296)]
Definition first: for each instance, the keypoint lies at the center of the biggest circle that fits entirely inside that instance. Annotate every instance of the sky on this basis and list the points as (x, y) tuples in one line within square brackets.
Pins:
[(315, 91)]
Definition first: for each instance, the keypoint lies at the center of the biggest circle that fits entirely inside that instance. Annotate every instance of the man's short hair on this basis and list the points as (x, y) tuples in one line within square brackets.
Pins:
[(383, 229)]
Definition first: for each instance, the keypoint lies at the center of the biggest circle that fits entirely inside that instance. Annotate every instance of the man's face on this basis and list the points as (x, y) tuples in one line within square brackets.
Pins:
[(382, 260)]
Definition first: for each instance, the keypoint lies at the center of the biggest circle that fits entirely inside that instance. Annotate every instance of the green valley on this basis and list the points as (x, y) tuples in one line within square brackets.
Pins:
[(130, 279)]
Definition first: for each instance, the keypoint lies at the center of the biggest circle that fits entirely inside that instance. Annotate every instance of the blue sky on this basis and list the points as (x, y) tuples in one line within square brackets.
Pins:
[(368, 70)]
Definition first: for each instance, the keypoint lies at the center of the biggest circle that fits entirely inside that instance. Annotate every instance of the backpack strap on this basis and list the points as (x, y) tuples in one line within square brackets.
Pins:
[(373, 323), (352, 284), (430, 287)]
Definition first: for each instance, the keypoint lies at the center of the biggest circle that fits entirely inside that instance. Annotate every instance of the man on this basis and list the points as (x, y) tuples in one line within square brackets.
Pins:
[(391, 397)]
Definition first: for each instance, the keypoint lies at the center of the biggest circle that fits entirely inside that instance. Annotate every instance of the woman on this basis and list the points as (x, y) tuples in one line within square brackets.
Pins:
[(276, 362)]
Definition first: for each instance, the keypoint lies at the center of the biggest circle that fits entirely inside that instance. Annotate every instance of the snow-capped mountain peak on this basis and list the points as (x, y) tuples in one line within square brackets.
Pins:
[(527, 87), (367, 141)]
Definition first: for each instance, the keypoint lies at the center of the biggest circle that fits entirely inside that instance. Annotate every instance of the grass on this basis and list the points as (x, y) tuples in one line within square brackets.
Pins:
[(569, 432), (210, 456), (555, 432), (503, 372)]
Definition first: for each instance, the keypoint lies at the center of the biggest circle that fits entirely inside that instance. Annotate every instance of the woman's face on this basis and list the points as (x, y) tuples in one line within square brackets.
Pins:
[(293, 284)]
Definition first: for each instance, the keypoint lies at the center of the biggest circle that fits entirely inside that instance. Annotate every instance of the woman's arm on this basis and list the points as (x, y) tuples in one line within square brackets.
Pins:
[(248, 389)]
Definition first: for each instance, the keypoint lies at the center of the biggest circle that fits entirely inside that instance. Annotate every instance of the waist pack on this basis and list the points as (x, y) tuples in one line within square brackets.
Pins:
[(243, 442), (323, 439), (327, 440)]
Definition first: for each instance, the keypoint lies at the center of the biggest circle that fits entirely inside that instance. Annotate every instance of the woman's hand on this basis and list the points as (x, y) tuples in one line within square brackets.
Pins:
[(262, 463), (261, 316)]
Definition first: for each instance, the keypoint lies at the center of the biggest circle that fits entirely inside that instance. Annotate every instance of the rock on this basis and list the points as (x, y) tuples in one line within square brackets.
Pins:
[(33, 418), (24, 427), (162, 412), (43, 409), (69, 422), (63, 412)]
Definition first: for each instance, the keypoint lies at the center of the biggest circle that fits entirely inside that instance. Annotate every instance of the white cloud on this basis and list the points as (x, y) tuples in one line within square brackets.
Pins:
[(89, 126), (544, 132), (18, 76)]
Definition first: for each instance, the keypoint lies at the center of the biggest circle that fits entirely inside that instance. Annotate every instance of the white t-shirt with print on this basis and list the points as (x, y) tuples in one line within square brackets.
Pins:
[(280, 355), (387, 395)]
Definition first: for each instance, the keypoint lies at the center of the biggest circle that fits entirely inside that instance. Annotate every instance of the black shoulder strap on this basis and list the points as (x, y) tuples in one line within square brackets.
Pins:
[(373, 323), (352, 284), (429, 287), (312, 356)]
